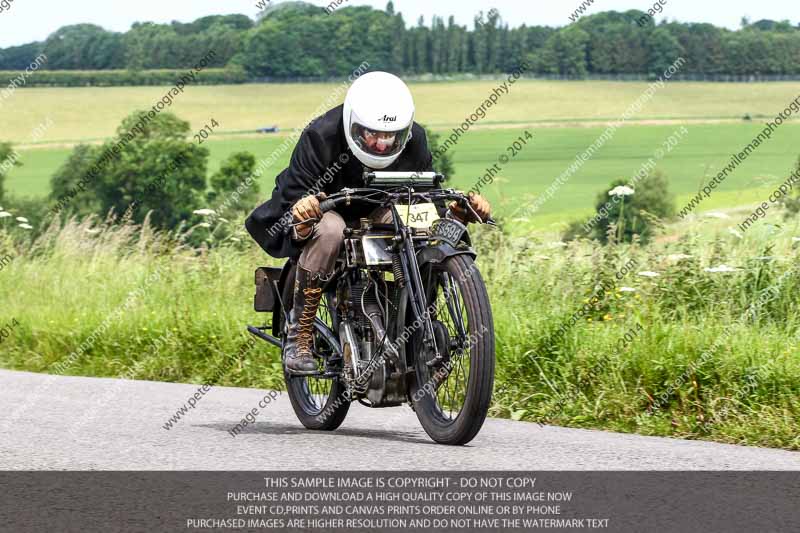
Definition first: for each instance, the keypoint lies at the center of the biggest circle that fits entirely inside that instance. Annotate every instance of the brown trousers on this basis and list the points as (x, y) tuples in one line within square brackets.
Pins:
[(323, 246)]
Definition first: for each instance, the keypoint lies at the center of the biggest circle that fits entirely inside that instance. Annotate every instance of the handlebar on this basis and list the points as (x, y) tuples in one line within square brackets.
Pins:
[(328, 205), (353, 195)]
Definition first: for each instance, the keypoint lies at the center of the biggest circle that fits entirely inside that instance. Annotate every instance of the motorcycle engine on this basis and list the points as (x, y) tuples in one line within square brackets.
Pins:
[(373, 304)]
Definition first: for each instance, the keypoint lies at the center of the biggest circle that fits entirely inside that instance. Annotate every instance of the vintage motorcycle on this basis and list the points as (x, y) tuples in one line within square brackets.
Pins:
[(405, 317)]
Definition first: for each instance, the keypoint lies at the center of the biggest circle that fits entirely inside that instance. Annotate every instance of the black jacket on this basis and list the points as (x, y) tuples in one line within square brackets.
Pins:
[(316, 165)]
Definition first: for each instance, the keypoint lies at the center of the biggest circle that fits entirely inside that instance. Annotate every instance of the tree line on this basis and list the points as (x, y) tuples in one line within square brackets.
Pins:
[(296, 39)]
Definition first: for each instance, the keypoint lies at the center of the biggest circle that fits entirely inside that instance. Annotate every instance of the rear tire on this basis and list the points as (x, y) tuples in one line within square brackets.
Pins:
[(471, 369), (320, 404)]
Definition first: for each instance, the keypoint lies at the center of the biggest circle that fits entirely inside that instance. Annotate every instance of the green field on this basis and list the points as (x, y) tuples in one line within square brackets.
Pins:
[(565, 118), (705, 150), (93, 113)]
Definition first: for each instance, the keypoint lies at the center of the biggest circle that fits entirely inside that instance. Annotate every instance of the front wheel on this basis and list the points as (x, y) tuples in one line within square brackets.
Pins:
[(452, 394)]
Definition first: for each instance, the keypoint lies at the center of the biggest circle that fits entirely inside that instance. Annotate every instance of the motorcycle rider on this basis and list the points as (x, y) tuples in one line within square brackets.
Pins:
[(376, 125)]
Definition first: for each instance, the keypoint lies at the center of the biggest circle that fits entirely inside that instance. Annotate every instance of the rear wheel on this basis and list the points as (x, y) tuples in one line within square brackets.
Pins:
[(319, 401), (452, 394)]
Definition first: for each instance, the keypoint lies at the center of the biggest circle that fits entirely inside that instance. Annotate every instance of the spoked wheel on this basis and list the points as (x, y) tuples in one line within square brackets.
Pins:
[(319, 400), (452, 394)]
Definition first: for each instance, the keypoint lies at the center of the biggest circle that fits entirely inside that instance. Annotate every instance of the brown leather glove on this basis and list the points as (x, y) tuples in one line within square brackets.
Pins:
[(479, 204), (304, 209)]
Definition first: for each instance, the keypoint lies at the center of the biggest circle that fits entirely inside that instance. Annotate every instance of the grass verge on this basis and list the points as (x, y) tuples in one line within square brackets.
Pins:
[(676, 354)]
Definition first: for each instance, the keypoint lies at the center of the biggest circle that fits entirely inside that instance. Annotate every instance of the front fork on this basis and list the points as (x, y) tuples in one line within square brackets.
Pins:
[(416, 291)]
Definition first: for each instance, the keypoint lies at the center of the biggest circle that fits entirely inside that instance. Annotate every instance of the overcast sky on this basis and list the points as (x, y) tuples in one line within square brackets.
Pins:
[(33, 20)]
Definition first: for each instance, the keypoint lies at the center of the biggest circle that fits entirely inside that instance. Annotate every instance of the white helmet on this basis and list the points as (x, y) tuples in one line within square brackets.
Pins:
[(378, 114)]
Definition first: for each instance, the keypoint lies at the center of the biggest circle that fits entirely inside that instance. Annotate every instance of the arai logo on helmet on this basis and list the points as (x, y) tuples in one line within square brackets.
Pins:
[(387, 118)]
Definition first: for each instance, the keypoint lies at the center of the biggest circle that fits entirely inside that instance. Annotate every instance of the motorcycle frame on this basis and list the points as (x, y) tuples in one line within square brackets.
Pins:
[(412, 257)]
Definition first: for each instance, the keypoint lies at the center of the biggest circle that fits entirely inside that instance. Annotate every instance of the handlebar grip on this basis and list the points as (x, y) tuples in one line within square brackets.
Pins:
[(327, 205)]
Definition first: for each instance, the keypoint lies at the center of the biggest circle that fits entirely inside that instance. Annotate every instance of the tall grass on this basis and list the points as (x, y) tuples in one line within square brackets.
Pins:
[(680, 371)]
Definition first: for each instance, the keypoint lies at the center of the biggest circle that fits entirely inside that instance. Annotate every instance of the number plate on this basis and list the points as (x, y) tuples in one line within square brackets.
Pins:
[(448, 230), (418, 215)]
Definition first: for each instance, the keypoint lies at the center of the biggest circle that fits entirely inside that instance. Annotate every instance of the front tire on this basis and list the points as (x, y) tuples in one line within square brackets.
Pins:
[(319, 403), (452, 399)]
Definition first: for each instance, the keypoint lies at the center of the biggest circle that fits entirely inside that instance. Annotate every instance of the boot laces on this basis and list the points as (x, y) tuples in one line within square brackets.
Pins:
[(306, 320)]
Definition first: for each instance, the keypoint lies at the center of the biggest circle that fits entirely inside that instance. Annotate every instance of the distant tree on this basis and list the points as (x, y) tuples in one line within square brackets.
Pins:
[(84, 46), (442, 164), (480, 41), (150, 45), (398, 41), (749, 52), (157, 171), (455, 41), (20, 57), (785, 51), (515, 49), (176, 46), (70, 174), (439, 49), (702, 44), (301, 41), (298, 39), (494, 40), (565, 52), (664, 50), (235, 22), (231, 175), (536, 36), (225, 40), (422, 47), (634, 214), (616, 43)]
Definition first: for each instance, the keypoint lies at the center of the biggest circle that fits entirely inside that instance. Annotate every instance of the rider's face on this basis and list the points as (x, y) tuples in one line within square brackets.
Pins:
[(379, 141)]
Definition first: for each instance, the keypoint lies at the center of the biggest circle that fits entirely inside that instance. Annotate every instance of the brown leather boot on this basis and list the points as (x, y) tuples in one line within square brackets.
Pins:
[(299, 350)]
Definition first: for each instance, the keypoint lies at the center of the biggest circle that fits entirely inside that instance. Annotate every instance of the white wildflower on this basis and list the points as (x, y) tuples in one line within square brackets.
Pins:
[(22, 219), (627, 289), (716, 214), (678, 257), (204, 212), (621, 190), (542, 257), (721, 268), (204, 225), (92, 231), (5, 214), (557, 244), (649, 274), (25, 226)]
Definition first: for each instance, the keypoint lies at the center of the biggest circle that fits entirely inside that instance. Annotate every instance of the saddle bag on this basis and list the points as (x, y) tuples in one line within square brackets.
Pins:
[(266, 299)]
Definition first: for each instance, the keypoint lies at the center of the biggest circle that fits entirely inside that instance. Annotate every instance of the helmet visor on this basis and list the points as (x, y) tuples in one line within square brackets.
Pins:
[(379, 143)]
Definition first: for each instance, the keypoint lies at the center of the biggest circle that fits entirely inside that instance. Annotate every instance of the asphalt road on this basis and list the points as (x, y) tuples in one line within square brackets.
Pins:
[(76, 423)]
